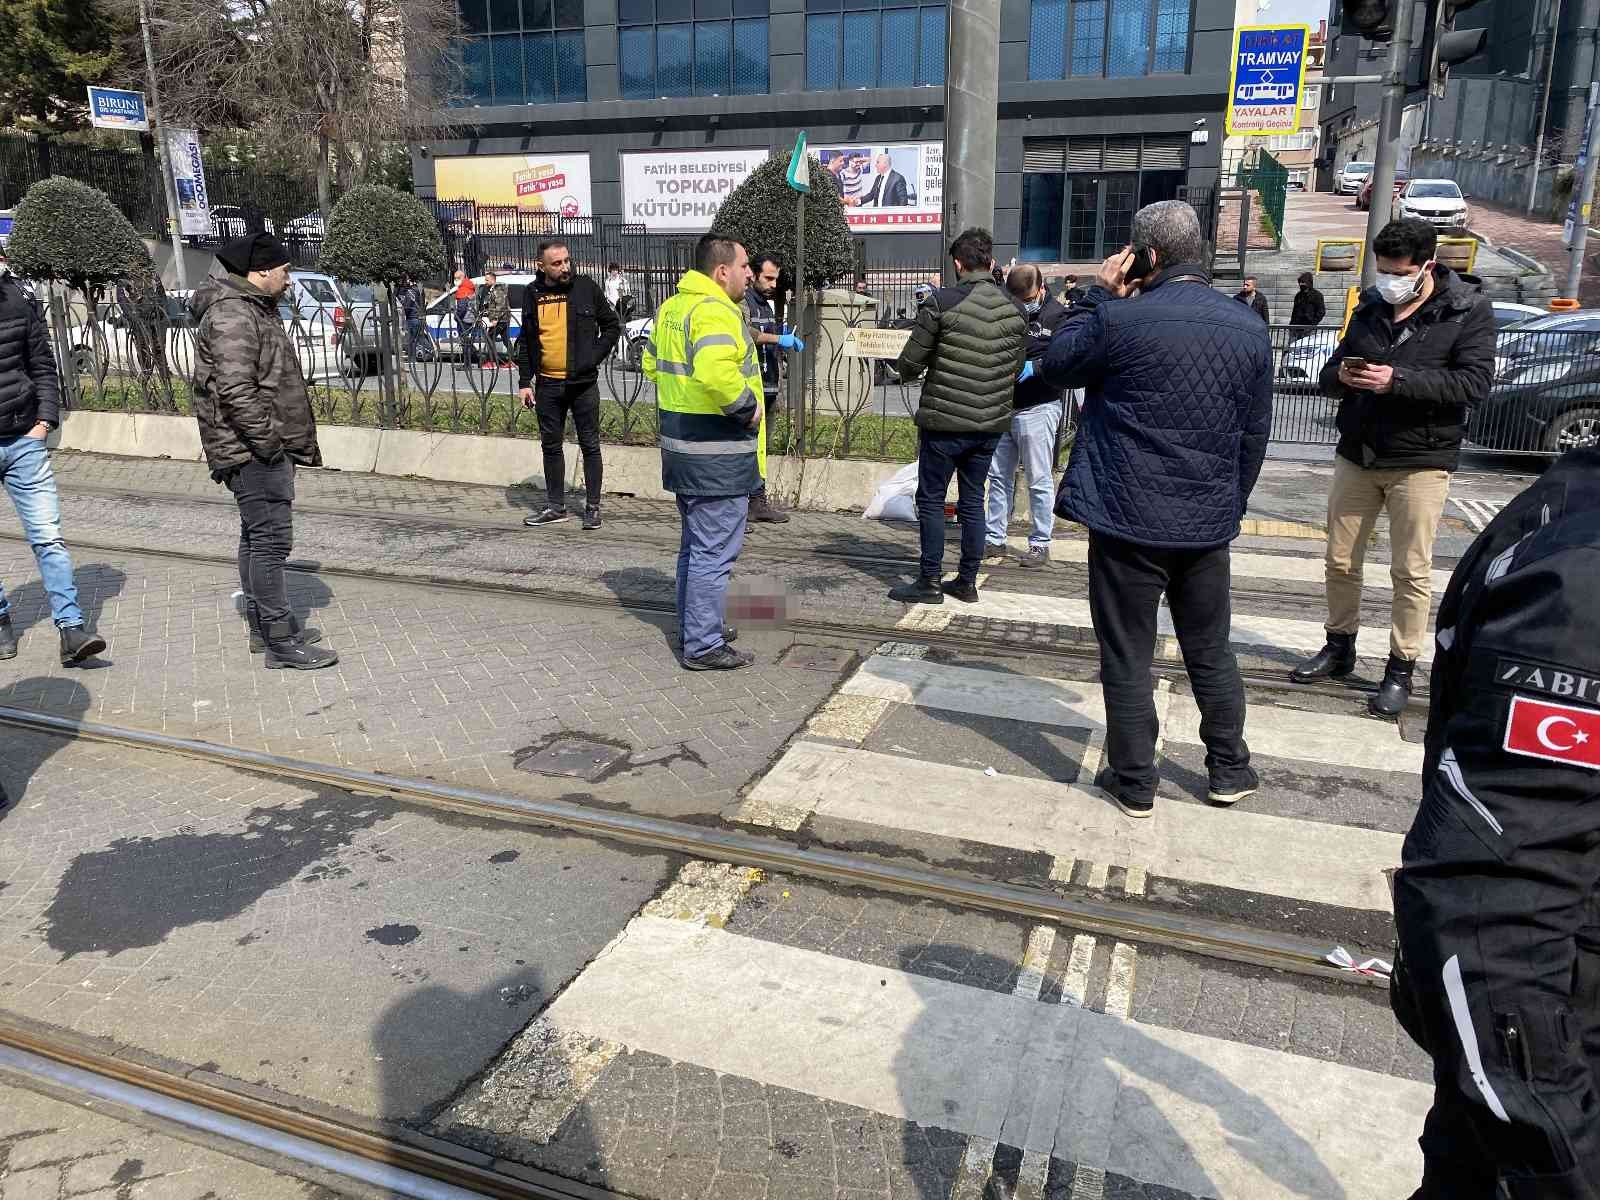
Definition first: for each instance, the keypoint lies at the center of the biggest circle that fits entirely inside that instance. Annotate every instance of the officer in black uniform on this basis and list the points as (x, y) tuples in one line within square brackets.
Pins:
[(1497, 904)]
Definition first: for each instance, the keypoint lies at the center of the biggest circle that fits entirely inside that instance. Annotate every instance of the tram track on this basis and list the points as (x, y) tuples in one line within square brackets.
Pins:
[(1126, 920), (1083, 655), (385, 1160)]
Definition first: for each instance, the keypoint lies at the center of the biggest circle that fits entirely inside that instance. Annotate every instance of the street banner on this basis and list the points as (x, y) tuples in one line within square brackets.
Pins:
[(110, 108), (1268, 75), (189, 180), (559, 184), (897, 188), (680, 191)]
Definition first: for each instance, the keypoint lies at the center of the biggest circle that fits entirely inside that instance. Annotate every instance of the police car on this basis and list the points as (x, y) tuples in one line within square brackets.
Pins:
[(439, 318)]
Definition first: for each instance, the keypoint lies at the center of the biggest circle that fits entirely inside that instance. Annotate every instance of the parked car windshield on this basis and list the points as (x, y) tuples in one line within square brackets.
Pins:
[(1441, 189), (320, 290), (1358, 168), (362, 293)]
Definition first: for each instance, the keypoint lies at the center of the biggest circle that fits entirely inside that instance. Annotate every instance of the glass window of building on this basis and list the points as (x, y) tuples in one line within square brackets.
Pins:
[(691, 48), (523, 51), (1109, 38), (852, 44), (1079, 194)]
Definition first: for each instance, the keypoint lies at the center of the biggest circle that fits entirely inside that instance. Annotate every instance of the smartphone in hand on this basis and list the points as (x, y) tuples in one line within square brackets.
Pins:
[(1356, 363)]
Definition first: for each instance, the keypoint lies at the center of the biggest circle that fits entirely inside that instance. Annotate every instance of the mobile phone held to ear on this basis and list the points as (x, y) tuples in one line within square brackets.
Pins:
[(1143, 263), (1356, 363)]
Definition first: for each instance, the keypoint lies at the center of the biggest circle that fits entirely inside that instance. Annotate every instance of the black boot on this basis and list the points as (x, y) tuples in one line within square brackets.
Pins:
[(307, 634), (8, 639), (923, 591), (1395, 690), (1334, 661), (77, 644), (286, 650)]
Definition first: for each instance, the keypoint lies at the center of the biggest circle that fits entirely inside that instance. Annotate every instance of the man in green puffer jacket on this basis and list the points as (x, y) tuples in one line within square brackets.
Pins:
[(969, 340)]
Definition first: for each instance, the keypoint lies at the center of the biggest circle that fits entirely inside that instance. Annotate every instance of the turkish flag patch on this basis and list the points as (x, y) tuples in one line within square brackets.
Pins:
[(1557, 732)]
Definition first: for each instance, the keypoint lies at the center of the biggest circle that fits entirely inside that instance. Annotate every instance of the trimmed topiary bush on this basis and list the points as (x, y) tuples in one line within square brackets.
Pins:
[(379, 235), (69, 231), (760, 213)]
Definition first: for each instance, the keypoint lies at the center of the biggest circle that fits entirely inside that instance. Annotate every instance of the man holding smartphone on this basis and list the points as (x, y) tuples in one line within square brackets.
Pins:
[(1418, 353)]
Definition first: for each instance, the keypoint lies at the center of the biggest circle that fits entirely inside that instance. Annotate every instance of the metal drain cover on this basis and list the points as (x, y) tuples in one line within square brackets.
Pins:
[(574, 758), (818, 658)]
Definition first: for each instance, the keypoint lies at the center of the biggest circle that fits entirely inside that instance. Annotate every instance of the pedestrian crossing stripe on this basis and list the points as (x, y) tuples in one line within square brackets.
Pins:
[(1166, 1107), (1328, 739), (1477, 512)]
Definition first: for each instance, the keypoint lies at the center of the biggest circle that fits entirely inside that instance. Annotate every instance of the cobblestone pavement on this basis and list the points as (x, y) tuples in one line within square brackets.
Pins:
[(52, 1150)]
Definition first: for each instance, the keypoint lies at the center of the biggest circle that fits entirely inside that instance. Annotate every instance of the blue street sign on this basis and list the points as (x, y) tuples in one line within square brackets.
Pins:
[(113, 109), (1269, 66)]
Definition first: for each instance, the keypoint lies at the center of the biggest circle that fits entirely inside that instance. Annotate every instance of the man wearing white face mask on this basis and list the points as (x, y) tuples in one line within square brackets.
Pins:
[(1418, 353)]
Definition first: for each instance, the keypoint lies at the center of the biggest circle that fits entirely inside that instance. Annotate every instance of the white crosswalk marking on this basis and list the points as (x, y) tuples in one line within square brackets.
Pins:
[(1249, 630), (1274, 856), (1212, 1117), (1477, 512), (1332, 740), (1247, 567)]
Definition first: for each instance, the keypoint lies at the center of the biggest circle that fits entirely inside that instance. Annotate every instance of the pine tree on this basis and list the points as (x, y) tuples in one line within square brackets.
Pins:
[(50, 52)]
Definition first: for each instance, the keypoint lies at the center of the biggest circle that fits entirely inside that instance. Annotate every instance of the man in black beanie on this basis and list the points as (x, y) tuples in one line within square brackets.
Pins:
[(255, 424)]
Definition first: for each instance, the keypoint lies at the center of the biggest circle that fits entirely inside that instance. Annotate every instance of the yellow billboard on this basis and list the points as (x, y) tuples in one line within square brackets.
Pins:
[(552, 183)]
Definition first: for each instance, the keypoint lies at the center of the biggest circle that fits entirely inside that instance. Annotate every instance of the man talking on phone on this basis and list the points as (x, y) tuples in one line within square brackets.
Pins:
[(1170, 443), (1418, 353)]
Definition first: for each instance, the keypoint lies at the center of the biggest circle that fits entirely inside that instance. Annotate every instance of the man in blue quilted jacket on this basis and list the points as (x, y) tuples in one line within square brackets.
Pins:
[(1170, 443)]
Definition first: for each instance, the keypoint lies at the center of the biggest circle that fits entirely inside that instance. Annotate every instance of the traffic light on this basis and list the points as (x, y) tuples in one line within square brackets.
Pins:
[(1443, 45), (1371, 19)]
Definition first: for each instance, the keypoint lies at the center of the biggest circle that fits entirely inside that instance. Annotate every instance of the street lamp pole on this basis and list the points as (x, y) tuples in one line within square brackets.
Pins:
[(164, 152)]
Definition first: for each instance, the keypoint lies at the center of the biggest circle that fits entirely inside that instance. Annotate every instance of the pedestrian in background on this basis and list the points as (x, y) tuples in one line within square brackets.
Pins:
[(1309, 307), (1418, 354), (464, 292), (1035, 426), (1498, 971), (409, 297), (619, 292), (256, 424), (568, 329), (30, 407), (1074, 293), (763, 317), (713, 439), (969, 340), (494, 314), (1170, 444), (1254, 300)]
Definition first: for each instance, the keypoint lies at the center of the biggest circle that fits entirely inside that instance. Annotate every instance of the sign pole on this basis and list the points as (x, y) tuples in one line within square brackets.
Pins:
[(1583, 196), (158, 121), (799, 178), (1388, 154)]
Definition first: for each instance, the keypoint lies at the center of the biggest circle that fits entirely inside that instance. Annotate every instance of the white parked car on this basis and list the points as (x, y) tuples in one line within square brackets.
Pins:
[(1350, 178), (1439, 202)]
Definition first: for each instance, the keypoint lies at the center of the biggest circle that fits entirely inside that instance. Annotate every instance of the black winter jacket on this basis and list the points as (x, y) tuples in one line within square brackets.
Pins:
[(1309, 308), (1041, 328), (592, 331), (1174, 428), (29, 390), (250, 395), (1444, 362), (970, 340)]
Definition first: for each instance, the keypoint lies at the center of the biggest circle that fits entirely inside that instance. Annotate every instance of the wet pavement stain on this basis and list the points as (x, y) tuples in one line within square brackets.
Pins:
[(138, 891), (627, 762), (394, 935), (505, 856)]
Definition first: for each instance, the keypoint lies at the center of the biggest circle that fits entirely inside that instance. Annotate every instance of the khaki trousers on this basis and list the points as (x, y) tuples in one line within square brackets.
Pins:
[(1415, 502)]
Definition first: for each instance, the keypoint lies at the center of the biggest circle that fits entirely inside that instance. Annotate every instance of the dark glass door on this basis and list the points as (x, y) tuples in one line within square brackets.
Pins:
[(1121, 202), (1083, 218)]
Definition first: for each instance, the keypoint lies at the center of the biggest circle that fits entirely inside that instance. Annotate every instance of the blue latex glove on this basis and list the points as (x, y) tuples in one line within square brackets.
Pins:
[(1026, 373), (791, 341)]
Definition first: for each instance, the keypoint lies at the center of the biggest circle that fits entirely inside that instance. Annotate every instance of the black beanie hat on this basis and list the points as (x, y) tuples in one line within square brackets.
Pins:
[(260, 252)]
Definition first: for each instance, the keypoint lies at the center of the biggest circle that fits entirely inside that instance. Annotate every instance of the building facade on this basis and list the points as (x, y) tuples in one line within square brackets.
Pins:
[(648, 111)]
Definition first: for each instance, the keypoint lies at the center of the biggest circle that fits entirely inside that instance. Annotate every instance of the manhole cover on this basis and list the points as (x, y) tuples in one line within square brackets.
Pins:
[(574, 758), (818, 658)]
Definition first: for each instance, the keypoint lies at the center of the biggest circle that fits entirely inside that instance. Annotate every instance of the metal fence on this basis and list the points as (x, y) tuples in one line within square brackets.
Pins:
[(364, 367)]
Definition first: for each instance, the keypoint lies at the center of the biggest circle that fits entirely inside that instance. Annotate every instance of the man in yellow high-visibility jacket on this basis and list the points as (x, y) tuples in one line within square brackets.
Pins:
[(713, 439)]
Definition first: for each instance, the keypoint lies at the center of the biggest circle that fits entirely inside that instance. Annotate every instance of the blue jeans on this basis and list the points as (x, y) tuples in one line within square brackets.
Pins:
[(713, 534), (939, 456), (25, 471), (1032, 438)]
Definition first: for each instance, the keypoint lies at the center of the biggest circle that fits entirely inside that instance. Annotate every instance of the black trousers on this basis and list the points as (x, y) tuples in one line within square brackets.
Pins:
[(939, 456), (553, 399), (1125, 586), (265, 495)]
